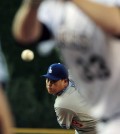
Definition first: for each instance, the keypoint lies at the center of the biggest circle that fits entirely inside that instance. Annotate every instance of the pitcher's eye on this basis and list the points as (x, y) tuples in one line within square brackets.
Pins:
[(51, 81)]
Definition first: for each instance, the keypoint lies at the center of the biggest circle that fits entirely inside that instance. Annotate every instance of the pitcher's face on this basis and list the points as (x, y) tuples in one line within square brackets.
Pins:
[(53, 87)]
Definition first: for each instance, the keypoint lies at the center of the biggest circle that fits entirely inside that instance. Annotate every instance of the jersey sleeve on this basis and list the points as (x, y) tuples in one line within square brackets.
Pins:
[(117, 2), (51, 13), (64, 117), (44, 14), (68, 119), (109, 2)]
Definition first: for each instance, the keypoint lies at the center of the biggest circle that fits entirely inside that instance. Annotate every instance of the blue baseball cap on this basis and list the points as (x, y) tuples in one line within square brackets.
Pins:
[(56, 71)]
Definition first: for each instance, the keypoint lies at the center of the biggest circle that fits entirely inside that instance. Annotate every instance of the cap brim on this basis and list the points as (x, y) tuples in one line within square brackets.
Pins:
[(51, 77)]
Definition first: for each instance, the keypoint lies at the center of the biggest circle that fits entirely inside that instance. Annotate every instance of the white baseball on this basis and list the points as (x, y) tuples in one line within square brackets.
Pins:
[(27, 55)]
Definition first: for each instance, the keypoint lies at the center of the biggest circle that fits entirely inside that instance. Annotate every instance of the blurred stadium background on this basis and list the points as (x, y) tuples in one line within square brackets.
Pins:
[(31, 105)]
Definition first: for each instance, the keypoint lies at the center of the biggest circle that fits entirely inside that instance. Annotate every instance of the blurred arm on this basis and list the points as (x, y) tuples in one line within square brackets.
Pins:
[(6, 121), (26, 27), (102, 15)]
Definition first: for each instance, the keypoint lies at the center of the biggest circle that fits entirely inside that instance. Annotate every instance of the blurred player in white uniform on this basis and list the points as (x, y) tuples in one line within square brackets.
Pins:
[(70, 107), (86, 31)]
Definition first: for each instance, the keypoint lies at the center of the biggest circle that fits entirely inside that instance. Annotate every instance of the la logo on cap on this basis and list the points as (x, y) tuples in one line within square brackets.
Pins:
[(50, 70)]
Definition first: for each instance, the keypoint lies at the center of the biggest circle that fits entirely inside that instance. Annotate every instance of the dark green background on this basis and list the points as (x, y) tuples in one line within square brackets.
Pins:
[(31, 105)]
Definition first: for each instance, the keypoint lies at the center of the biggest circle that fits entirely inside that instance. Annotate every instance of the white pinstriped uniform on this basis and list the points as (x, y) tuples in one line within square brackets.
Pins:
[(91, 55)]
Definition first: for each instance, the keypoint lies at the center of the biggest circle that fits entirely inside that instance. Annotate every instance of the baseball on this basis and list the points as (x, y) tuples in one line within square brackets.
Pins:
[(27, 55)]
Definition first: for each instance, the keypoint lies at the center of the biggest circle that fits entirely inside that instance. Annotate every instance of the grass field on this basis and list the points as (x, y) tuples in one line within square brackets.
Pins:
[(42, 131)]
